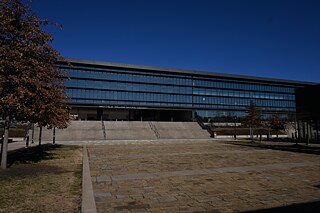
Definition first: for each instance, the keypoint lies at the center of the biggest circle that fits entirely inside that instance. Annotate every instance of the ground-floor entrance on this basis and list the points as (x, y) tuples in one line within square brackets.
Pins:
[(118, 114)]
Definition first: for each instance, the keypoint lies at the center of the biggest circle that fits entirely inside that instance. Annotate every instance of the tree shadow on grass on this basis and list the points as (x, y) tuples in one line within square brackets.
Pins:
[(32, 154), (287, 147), (26, 161)]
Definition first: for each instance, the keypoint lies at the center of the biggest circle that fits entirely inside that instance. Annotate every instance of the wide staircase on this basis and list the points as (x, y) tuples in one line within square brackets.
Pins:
[(126, 130), (180, 130)]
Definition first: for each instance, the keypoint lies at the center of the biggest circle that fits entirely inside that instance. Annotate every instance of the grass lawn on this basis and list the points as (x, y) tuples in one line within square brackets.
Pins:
[(42, 179)]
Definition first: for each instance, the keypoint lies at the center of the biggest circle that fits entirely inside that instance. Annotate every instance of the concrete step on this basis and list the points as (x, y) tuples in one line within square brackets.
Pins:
[(125, 130)]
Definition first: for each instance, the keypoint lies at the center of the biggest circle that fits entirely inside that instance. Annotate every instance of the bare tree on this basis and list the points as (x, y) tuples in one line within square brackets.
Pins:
[(276, 124), (253, 118)]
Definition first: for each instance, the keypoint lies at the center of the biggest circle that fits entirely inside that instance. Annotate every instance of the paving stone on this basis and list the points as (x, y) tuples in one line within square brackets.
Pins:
[(102, 194), (166, 199), (103, 179), (205, 176)]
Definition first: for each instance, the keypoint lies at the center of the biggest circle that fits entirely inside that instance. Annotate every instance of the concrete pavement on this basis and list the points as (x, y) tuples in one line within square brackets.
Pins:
[(201, 176)]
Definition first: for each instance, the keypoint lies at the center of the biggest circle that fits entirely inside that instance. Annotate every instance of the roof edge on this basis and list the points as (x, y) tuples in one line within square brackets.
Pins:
[(186, 71)]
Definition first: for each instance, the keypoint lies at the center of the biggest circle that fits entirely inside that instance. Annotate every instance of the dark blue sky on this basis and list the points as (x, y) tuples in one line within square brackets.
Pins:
[(268, 38)]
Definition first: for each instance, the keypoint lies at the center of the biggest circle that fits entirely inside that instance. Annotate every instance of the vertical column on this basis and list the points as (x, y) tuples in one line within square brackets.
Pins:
[(303, 130), (317, 128), (99, 114), (299, 130)]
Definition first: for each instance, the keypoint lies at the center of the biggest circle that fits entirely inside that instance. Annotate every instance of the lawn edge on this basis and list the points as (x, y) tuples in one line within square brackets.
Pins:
[(88, 204)]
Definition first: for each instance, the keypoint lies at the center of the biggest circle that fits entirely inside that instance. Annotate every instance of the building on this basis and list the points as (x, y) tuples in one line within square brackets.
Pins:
[(308, 112), (113, 91)]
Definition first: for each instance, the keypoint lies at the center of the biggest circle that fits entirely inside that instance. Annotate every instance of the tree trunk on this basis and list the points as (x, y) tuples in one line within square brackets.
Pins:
[(32, 135), (54, 135), (251, 134), (5, 144), (27, 137), (29, 125), (40, 135)]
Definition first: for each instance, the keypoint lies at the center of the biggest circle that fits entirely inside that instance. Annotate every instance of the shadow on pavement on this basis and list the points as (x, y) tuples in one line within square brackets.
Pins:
[(308, 149), (301, 207)]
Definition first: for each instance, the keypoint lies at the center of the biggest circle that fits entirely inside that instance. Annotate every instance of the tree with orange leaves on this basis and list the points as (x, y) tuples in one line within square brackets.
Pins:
[(31, 86)]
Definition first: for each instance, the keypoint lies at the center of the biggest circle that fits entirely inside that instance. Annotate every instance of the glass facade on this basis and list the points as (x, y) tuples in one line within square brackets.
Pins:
[(206, 95)]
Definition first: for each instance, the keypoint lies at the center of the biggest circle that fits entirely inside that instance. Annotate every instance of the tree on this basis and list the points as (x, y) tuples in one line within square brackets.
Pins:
[(276, 124), (31, 86), (53, 111), (253, 118), (291, 124)]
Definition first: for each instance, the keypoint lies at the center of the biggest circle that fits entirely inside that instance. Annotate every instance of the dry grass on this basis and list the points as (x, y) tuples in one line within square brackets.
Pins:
[(42, 179)]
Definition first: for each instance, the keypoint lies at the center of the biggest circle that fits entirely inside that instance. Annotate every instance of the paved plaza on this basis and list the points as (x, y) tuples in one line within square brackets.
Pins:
[(200, 176)]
